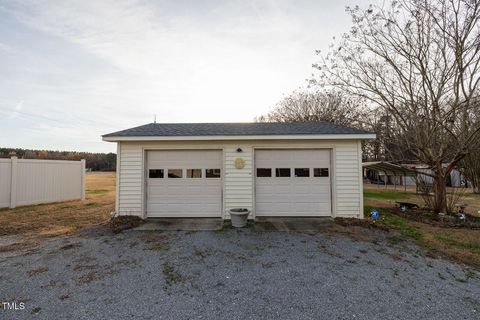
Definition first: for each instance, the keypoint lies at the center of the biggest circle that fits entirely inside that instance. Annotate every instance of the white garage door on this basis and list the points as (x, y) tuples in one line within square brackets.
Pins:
[(184, 183), (292, 183)]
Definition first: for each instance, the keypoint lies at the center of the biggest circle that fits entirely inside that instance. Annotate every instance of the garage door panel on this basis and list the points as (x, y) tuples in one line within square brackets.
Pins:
[(293, 196), (184, 197), (273, 208), (280, 189), (303, 190)]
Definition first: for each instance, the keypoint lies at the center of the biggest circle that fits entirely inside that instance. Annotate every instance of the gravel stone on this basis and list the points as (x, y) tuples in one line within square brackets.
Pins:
[(233, 274)]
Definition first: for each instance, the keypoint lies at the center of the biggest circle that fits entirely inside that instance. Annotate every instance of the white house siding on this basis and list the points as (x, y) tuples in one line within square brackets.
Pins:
[(130, 182), (348, 179), (239, 183), (238, 189)]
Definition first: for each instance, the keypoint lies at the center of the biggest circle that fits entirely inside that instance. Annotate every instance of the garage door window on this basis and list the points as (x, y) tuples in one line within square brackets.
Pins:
[(264, 172), (302, 172), (282, 172), (175, 173), (155, 173), (194, 173), (320, 172), (212, 173)]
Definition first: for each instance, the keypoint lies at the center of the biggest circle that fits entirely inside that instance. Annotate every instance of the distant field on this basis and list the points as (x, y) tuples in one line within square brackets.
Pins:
[(64, 217)]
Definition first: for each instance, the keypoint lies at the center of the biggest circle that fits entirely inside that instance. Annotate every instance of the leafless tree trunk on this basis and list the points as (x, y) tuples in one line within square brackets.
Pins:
[(420, 61)]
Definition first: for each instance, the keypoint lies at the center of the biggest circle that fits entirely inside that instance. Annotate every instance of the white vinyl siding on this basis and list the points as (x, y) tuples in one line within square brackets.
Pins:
[(238, 189), (130, 183), (238, 182), (348, 180)]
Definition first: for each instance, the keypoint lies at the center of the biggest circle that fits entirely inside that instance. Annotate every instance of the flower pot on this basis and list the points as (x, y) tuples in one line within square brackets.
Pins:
[(239, 217)]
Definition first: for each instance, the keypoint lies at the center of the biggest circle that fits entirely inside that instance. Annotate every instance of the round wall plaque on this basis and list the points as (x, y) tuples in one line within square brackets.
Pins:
[(239, 163)]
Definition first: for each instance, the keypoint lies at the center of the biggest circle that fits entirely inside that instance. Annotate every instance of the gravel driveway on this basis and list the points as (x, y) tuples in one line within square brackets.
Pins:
[(234, 274)]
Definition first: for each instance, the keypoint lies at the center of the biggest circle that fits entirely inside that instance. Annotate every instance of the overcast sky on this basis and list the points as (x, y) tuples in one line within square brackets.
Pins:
[(73, 70)]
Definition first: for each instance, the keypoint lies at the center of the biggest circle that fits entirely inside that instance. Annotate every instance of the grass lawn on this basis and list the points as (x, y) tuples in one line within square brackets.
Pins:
[(386, 194), (63, 217), (458, 244)]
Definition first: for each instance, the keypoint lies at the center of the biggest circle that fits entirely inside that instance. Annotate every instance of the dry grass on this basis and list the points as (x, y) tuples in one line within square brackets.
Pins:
[(459, 244), (49, 220)]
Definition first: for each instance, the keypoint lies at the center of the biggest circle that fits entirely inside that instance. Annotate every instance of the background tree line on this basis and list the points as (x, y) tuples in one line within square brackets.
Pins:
[(410, 72), (94, 161)]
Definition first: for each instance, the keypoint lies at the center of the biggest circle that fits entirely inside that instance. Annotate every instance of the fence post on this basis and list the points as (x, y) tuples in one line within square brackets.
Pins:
[(13, 182), (82, 167)]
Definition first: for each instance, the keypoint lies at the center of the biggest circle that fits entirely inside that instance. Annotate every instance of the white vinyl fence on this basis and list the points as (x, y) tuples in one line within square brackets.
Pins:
[(27, 181)]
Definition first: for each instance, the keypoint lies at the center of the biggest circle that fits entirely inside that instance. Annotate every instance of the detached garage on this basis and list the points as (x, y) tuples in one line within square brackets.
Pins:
[(274, 169)]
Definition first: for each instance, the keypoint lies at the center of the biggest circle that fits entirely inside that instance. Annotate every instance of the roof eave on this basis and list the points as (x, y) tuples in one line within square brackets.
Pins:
[(363, 136)]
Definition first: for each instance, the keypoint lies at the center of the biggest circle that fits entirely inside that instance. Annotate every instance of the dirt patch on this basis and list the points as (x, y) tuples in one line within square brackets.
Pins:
[(89, 277), (19, 246), (70, 246), (83, 267), (358, 231), (395, 256), (121, 223), (36, 271), (202, 253), (171, 275), (347, 222), (155, 241)]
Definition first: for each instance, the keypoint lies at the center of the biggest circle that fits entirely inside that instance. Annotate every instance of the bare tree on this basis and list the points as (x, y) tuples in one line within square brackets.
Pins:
[(339, 108), (312, 106), (419, 60)]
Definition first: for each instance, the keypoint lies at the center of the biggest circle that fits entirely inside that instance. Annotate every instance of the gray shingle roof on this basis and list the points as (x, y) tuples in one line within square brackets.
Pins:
[(235, 129)]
